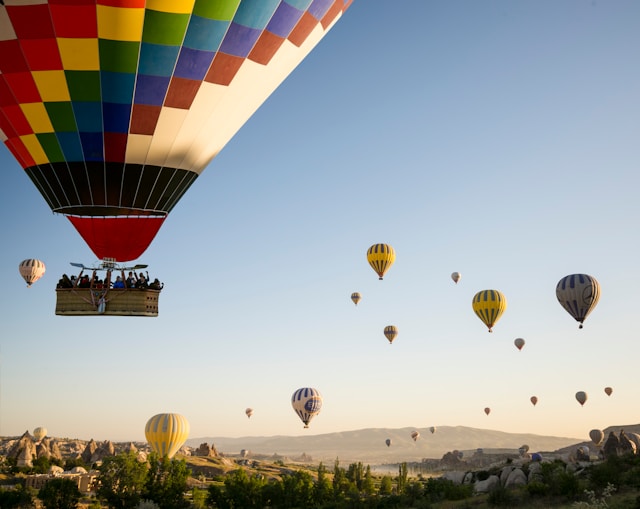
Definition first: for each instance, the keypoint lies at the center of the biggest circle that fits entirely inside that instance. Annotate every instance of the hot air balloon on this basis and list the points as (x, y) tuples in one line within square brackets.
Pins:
[(523, 449), (31, 270), (391, 332), (581, 396), (39, 433), (388, 442), (596, 436), (355, 297), (306, 402), (432, 429), (249, 412), (166, 433), (534, 400), (415, 435), (489, 306), (519, 342), (608, 391), (487, 410), (114, 108), (381, 258), (578, 294), (456, 277)]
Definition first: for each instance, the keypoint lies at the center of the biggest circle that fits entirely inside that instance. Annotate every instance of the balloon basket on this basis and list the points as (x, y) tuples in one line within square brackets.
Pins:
[(112, 302)]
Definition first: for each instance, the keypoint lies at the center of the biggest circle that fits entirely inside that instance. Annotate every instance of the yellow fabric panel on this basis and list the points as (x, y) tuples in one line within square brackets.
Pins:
[(166, 433), (79, 54), (35, 149), (52, 86), (120, 24), (174, 6), (37, 116)]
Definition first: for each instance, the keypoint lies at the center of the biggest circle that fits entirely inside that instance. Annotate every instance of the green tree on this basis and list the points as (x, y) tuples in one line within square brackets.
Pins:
[(240, 490), (122, 479), (60, 493), (386, 486), (167, 482), (298, 489), (368, 486), (323, 489), (403, 475), (19, 498)]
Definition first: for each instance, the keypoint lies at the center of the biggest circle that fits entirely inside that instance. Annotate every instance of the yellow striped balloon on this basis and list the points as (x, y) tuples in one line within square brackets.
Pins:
[(391, 332), (489, 306), (381, 258), (31, 270), (166, 433)]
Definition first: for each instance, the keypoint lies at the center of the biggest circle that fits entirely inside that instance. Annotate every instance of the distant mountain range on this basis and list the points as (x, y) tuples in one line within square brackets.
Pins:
[(368, 445)]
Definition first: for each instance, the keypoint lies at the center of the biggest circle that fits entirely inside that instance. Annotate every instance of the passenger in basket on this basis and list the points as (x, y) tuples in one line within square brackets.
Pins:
[(142, 282), (118, 283)]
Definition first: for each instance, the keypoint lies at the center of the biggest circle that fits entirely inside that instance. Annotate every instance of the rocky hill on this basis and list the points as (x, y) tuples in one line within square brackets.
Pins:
[(369, 445)]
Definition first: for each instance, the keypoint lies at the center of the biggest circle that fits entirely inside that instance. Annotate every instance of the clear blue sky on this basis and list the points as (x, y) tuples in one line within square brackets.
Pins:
[(495, 138)]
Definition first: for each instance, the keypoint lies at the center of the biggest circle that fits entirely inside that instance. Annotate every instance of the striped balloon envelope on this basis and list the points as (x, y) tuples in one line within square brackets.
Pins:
[(166, 433), (578, 294), (115, 107), (381, 258), (489, 305), (307, 403), (31, 270)]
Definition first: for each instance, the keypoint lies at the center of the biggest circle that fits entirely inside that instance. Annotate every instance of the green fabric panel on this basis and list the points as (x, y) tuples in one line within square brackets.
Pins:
[(51, 147), (84, 85), (164, 27), (61, 116), (119, 56), (222, 10)]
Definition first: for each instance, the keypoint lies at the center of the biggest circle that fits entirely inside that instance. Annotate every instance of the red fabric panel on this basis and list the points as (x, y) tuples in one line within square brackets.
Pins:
[(122, 238), (75, 20), (31, 21), (266, 46), (42, 54)]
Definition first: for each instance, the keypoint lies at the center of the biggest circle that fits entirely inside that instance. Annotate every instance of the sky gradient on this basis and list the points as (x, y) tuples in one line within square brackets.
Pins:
[(494, 138)]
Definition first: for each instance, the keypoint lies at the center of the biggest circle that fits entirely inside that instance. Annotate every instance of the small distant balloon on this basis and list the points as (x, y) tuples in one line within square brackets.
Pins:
[(581, 396), (456, 277), (519, 342), (355, 297), (249, 412), (39, 433), (489, 305), (415, 435), (31, 270), (432, 429), (534, 400), (596, 436), (487, 410), (388, 442), (381, 257), (391, 332), (523, 449), (608, 391), (578, 294)]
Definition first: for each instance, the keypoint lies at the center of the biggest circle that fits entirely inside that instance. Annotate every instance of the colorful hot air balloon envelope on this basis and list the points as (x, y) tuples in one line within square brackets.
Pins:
[(166, 433), (39, 433), (355, 297), (388, 442), (307, 403), (534, 400), (456, 277), (415, 435), (596, 436), (489, 305), (391, 332), (608, 391), (519, 342), (381, 258), (114, 108), (249, 412), (31, 270), (578, 294), (487, 410), (581, 396)]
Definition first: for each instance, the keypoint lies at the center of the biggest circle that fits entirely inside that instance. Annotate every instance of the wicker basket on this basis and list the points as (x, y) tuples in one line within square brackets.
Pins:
[(112, 302)]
